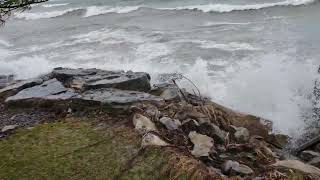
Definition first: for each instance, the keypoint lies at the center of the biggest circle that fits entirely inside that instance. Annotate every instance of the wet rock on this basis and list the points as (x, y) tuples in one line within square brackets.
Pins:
[(8, 128), (278, 140), (241, 134), (298, 165), (152, 140), (202, 144), (112, 98), (5, 80), (309, 155), (96, 79), (171, 124), (18, 86), (315, 162), (233, 168), (143, 124), (189, 125), (167, 91), (51, 90), (213, 131)]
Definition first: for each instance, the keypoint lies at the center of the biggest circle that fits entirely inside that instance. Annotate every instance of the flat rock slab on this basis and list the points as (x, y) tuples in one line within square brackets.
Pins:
[(87, 79), (112, 97), (49, 90), (18, 86)]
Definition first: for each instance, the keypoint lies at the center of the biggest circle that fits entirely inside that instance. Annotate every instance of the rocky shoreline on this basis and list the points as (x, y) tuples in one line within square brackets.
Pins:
[(217, 142)]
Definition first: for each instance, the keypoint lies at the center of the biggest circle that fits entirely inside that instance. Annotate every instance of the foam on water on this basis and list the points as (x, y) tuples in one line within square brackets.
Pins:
[(223, 8), (43, 15), (54, 5), (98, 10)]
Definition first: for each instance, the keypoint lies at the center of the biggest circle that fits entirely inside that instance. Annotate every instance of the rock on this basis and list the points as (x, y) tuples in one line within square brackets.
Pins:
[(309, 155), (278, 140), (18, 86), (230, 167), (8, 128), (213, 131), (309, 144), (167, 91), (241, 134), (315, 162), (5, 80), (112, 98), (152, 140), (171, 124), (143, 124), (95, 79), (51, 90), (202, 144), (298, 165), (189, 125)]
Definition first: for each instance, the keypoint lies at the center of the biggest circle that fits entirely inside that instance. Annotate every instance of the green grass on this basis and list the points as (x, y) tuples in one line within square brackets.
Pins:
[(74, 150)]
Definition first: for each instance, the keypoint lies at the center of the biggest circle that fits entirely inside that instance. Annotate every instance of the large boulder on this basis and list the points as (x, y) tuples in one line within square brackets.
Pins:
[(111, 98), (88, 79), (49, 91)]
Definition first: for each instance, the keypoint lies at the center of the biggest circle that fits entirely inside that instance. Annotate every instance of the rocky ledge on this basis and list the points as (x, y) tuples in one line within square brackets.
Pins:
[(208, 141)]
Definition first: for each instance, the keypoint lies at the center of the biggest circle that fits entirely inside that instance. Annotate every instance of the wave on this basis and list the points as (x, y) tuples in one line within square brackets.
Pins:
[(223, 8), (45, 15), (98, 10), (54, 5)]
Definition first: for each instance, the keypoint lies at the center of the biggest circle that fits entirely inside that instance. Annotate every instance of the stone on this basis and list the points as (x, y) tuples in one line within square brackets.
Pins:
[(14, 88), (112, 98), (309, 144), (171, 124), (143, 124), (51, 90), (189, 125), (95, 79), (308, 155), (298, 165), (230, 167), (150, 139), (315, 162), (5, 80), (202, 144), (213, 131), (241, 134), (278, 140), (8, 128)]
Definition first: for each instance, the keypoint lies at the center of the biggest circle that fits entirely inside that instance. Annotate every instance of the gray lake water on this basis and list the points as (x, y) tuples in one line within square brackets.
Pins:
[(255, 56)]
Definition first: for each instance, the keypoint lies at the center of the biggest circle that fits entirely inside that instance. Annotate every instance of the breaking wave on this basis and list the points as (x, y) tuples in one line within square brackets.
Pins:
[(44, 15), (98, 10), (54, 5), (223, 8)]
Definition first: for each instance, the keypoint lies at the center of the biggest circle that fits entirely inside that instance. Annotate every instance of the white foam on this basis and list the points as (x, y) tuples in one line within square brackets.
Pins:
[(54, 5), (148, 51), (224, 23), (43, 15), (5, 43), (99, 10), (222, 8)]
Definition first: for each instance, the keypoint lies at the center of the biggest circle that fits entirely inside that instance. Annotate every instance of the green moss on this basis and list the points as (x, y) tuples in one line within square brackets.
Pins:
[(74, 150)]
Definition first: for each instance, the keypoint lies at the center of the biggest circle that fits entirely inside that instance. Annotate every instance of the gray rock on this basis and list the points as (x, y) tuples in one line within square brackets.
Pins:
[(298, 165), (171, 124), (309, 155), (112, 98), (213, 131), (150, 139), (315, 162), (202, 144), (230, 167), (5, 80), (241, 134), (8, 128), (49, 90), (95, 79), (143, 124), (18, 86)]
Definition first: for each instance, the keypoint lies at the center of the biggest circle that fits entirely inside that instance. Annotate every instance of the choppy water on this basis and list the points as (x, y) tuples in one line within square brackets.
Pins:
[(256, 56)]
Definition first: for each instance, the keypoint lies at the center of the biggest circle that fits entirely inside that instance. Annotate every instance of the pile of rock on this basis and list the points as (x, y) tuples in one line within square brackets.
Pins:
[(229, 143)]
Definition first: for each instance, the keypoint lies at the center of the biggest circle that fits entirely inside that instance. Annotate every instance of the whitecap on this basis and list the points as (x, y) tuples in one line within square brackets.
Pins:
[(223, 8), (43, 15), (99, 10), (54, 5)]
